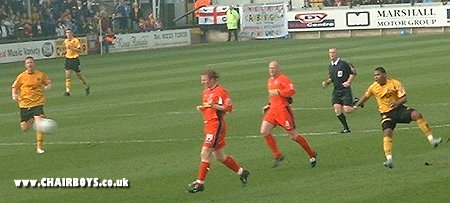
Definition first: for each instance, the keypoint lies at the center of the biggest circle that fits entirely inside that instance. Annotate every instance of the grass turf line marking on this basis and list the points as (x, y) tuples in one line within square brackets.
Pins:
[(197, 138), (294, 108)]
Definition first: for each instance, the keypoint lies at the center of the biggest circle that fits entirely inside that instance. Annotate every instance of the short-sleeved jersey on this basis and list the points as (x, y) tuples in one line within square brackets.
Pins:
[(75, 43), (30, 88), (339, 72), (285, 89), (385, 94), (218, 95)]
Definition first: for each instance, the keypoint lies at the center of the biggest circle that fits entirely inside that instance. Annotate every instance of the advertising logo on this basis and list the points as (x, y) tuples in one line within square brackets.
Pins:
[(47, 49), (310, 17), (358, 19), (311, 20), (448, 15)]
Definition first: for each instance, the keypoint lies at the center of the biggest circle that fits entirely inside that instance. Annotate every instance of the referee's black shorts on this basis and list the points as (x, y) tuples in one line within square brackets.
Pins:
[(342, 96)]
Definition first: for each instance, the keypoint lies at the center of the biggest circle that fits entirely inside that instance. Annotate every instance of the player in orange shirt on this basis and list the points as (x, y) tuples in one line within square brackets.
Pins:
[(215, 104), (72, 53), (391, 98), (28, 92), (279, 112)]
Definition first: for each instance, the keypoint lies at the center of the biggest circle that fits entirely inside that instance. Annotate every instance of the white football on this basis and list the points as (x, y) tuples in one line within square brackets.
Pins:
[(46, 125)]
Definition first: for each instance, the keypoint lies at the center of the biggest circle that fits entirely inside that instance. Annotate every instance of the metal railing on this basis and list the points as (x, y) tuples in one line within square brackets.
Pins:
[(194, 22)]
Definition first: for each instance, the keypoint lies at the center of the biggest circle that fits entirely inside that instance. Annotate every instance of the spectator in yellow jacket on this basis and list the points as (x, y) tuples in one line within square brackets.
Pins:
[(232, 22)]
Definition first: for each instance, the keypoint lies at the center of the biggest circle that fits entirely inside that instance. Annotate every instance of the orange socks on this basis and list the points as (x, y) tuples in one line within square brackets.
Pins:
[(231, 164), (304, 143), (202, 172), (270, 140)]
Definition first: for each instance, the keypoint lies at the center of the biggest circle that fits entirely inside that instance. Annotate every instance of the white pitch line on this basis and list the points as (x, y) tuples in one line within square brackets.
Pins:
[(197, 138), (297, 108)]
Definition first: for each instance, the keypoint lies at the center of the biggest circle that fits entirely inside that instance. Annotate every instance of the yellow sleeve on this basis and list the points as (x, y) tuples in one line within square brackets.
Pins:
[(17, 83), (77, 43), (401, 92), (369, 91), (66, 43), (45, 79)]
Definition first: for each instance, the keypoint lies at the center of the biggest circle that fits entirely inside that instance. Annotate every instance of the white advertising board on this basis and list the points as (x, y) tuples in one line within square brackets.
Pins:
[(18, 51), (402, 16), (171, 38), (151, 40), (134, 41), (37, 49)]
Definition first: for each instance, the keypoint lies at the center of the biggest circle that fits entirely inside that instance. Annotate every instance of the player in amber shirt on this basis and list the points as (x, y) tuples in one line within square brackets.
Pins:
[(72, 53), (28, 92), (279, 112), (391, 98), (215, 104)]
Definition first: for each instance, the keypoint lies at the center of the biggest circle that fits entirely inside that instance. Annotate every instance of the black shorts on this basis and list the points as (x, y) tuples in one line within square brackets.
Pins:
[(342, 96), (73, 64), (401, 114), (28, 113)]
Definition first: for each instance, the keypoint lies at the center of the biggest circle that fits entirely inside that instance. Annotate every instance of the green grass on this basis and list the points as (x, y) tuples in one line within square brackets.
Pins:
[(140, 123)]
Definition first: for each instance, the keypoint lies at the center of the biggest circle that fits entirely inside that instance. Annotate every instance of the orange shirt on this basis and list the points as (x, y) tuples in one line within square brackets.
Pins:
[(200, 3), (218, 95), (30, 88), (75, 43), (285, 88)]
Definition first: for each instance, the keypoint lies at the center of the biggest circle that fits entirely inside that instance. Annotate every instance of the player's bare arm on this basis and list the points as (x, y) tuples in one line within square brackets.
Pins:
[(265, 108), (361, 101), (326, 82), (348, 83), (218, 107), (14, 95), (399, 102), (353, 69), (274, 92), (48, 86)]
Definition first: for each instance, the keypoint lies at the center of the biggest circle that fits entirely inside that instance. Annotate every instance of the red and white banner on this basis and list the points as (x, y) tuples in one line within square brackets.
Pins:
[(213, 15)]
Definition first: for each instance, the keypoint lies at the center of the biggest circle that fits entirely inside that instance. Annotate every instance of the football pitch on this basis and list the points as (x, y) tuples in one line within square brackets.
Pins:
[(140, 123)]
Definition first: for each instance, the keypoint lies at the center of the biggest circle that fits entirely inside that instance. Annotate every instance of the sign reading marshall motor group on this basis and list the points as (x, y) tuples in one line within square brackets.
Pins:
[(409, 17), (401, 16)]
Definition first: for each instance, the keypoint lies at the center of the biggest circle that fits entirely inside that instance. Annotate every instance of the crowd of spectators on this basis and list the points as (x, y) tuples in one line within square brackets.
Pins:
[(50, 18), (337, 3)]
